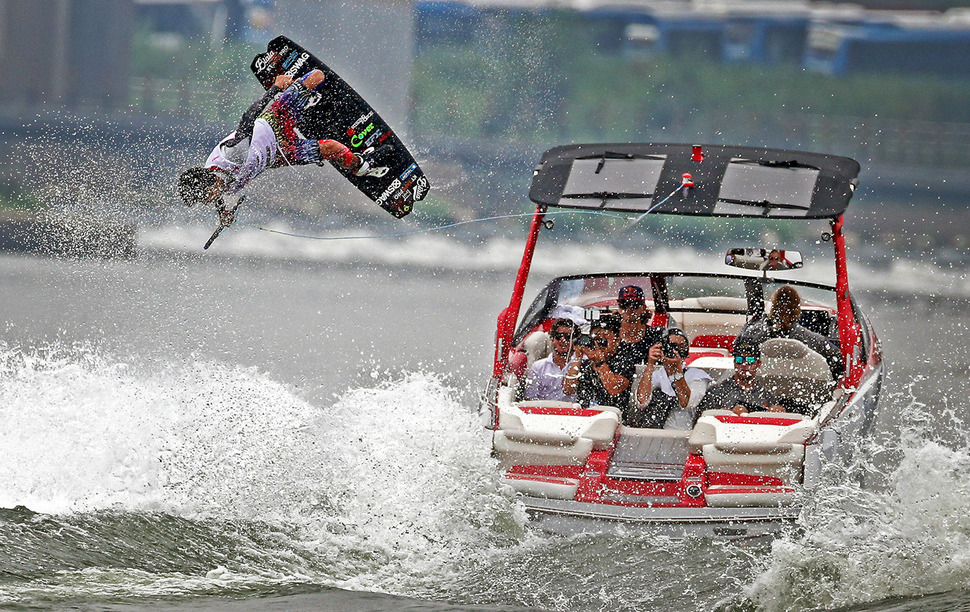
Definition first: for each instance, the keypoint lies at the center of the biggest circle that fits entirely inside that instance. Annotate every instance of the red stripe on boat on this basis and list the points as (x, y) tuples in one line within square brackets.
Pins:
[(732, 479), (555, 471), (559, 411), (749, 420), (547, 479)]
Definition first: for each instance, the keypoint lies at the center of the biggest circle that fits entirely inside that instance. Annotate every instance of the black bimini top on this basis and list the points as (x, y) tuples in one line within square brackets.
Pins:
[(721, 181)]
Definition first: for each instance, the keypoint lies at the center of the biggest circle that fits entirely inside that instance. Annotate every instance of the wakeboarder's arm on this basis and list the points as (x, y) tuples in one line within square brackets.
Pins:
[(248, 120)]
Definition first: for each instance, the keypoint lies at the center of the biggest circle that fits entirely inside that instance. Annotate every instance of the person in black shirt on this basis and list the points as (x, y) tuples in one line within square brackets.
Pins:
[(782, 322), (741, 393), (635, 336), (597, 377)]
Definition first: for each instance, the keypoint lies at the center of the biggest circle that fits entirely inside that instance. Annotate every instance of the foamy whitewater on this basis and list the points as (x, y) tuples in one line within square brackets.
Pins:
[(286, 416), (205, 478), (387, 488)]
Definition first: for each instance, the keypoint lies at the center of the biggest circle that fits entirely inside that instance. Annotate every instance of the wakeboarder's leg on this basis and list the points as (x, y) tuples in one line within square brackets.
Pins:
[(332, 150)]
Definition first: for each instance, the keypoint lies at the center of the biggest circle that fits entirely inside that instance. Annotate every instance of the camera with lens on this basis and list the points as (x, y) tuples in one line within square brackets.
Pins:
[(671, 350), (584, 340)]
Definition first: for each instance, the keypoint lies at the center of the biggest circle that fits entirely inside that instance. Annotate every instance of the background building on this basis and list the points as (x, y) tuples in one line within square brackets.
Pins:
[(65, 52)]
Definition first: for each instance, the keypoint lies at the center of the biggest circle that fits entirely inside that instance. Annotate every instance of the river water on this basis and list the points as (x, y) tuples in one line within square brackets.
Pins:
[(290, 424)]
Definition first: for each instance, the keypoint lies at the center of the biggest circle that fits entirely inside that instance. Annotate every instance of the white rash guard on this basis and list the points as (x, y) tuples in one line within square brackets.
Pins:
[(248, 159)]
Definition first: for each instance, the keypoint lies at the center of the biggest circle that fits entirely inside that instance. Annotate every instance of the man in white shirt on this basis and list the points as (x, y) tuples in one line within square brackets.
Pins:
[(544, 380), (667, 398)]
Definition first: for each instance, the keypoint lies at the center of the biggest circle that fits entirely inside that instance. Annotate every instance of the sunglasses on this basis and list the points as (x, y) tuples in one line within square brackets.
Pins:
[(630, 304), (742, 359), (558, 336)]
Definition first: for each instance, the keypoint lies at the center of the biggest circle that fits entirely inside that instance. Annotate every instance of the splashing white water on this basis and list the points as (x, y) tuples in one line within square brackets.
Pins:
[(909, 539), (389, 488)]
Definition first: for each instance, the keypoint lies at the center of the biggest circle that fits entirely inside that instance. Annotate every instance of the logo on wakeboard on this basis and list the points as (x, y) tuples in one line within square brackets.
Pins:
[(387, 192), (360, 121), (358, 139), (421, 188)]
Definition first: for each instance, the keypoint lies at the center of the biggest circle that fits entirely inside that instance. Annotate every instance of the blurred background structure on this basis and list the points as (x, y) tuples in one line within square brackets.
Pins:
[(479, 88), (70, 52)]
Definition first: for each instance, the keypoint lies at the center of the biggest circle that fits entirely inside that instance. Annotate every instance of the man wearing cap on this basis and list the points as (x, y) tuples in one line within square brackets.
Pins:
[(742, 393), (635, 336)]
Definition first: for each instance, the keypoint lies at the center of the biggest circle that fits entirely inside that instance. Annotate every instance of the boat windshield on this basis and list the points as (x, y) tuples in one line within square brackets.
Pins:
[(571, 296), (682, 287)]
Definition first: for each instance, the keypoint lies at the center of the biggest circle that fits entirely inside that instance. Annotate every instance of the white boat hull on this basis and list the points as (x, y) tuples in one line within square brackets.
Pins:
[(567, 517)]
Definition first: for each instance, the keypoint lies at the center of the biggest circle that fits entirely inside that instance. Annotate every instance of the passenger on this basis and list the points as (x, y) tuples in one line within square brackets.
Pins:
[(668, 396), (742, 392), (782, 322), (635, 336), (544, 380), (595, 376)]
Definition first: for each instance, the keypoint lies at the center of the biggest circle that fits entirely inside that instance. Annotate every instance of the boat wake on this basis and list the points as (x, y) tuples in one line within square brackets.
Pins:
[(206, 478), (903, 539)]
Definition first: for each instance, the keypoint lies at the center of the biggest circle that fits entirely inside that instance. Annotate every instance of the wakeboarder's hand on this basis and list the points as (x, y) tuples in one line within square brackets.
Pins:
[(227, 217), (283, 81)]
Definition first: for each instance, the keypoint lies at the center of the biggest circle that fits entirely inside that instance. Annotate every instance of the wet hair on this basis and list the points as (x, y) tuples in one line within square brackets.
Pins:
[(608, 322), (194, 185), (785, 298), (675, 331), (563, 323), (746, 348)]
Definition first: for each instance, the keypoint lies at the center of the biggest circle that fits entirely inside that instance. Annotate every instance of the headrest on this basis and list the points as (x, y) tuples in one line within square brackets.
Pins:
[(784, 348), (537, 346)]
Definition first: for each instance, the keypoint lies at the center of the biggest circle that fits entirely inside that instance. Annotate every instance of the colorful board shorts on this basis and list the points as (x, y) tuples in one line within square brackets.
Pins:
[(283, 116)]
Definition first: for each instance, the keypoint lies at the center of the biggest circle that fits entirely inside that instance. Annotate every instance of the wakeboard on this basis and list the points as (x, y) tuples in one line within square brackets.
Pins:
[(343, 115)]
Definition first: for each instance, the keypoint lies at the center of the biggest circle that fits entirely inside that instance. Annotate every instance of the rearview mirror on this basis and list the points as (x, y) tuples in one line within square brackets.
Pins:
[(769, 260)]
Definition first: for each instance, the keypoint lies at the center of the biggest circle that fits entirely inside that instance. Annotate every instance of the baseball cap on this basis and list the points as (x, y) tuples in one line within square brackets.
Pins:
[(630, 293)]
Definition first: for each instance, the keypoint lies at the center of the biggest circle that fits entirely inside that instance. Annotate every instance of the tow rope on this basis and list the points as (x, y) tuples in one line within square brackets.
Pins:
[(469, 222)]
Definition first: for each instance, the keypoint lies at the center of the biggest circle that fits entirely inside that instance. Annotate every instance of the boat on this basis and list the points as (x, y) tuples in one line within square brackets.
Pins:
[(733, 475)]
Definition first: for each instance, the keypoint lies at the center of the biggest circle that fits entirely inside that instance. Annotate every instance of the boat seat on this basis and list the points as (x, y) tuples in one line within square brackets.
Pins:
[(791, 370), (552, 433), (757, 444), (718, 363), (719, 341), (722, 316), (570, 405), (536, 346)]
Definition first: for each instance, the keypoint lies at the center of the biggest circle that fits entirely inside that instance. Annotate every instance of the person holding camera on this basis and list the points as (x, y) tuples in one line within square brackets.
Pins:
[(668, 394), (595, 376), (636, 336)]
